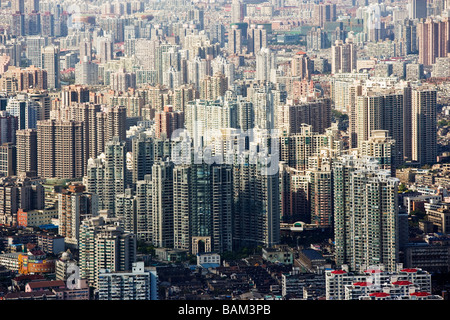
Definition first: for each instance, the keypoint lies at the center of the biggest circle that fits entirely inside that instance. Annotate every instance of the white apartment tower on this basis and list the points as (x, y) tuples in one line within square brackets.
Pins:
[(103, 244), (343, 56), (366, 213), (265, 63)]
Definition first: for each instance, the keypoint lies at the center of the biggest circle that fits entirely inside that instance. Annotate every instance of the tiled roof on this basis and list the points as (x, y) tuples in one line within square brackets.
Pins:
[(46, 284)]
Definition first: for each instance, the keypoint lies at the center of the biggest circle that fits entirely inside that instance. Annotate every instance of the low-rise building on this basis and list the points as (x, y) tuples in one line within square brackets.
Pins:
[(344, 285), (433, 258), (10, 260), (139, 284), (173, 255), (50, 243), (311, 258), (294, 283), (278, 254), (440, 218), (35, 263), (38, 295), (36, 218), (44, 285), (208, 260)]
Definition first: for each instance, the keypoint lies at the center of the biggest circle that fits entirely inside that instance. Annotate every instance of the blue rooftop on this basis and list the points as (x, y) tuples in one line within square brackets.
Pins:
[(312, 254), (210, 265), (48, 226)]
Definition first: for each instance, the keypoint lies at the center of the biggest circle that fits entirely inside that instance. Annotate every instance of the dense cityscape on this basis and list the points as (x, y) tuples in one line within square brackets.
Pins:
[(216, 150)]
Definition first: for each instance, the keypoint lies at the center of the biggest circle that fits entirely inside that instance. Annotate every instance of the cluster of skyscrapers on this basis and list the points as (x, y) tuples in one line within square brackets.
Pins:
[(206, 126)]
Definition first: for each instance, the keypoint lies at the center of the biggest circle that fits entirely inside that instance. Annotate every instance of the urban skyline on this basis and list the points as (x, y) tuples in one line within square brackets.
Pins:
[(224, 150)]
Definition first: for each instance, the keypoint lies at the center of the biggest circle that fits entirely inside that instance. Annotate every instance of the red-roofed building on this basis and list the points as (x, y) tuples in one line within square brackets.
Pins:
[(341, 285), (402, 283), (338, 272), (44, 285), (362, 284), (409, 270), (373, 271), (39, 295), (380, 296), (423, 296), (420, 294)]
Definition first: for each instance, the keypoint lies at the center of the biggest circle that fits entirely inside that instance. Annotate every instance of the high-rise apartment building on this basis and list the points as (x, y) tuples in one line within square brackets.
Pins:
[(343, 56), (167, 121), (125, 210), (42, 98), (296, 149), (423, 119), (50, 62), (317, 39), (198, 69), (417, 9), (365, 213), (202, 208), (8, 127), (294, 195), (265, 63), (85, 113), (213, 87), (301, 65), (60, 149), (35, 44), (143, 156), (323, 13), (18, 193), (105, 49), (110, 123), (238, 11), (316, 113), (27, 151), (235, 40), (256, 215), (204, 115), (380, 110), (86, 49), (25, 110), (222, 65), (381, 147), (162, 200), (256, 38), (433, 40), (74, 206), (8, 159), (18, 6), (16, 79), (86, 72), (407, 35), (144, 209), (108, 176), (321, 190), (104, 245), (172, 78), (74, 93), (17, 24)]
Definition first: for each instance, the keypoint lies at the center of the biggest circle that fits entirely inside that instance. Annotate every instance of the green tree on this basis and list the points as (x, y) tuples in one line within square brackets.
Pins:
[(402, 187)]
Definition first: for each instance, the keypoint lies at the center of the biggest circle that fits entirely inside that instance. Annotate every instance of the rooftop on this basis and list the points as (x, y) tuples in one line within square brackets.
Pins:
[(362, 284), (402, 283), (338, 272), (312, 254), (46, 284), (380, 294)]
